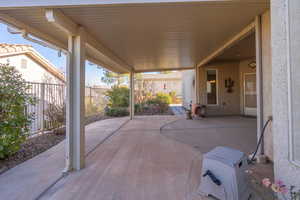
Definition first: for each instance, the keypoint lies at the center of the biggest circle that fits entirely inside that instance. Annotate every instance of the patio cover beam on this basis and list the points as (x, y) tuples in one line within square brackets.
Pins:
[(10, 21), (5, 4), (58, 19), (232, 41), (161, 70)]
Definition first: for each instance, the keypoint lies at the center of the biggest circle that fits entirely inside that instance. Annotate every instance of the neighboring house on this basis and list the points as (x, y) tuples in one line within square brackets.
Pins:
[(33, 66), (47, 83), (160, 82)]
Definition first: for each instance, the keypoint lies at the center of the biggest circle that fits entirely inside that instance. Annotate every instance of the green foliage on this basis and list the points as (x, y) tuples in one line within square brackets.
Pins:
[(154, 105), (112, 78), (117, 112), (13, 102), (163, 98), (118, 97)]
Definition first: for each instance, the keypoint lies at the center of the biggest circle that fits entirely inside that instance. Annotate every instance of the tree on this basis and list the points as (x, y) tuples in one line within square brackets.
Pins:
[(112, 78), (14, 99)]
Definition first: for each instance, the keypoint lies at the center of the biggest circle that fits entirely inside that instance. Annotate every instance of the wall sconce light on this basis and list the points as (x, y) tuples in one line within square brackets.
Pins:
[(229, 83), (252, 64)]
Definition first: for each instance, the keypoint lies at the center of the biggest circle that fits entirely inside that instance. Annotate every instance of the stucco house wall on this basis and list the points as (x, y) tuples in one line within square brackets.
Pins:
[(233, 103), (285, 170), (33, 71), (267, 82), (228, 103)]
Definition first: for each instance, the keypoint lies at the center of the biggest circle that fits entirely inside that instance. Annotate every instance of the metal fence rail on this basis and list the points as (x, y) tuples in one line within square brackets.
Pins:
[(51, 104), (47, 95)]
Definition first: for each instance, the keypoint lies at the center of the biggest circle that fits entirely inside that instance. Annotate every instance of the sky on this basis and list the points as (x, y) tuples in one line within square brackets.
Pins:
[(93, 73)]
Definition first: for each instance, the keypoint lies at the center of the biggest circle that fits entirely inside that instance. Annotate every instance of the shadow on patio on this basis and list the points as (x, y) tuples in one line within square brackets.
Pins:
[(207, 133)]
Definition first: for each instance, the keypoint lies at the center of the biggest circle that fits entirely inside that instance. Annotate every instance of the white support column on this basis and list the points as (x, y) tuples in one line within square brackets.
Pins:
[(75, 138), (259, 80), (131, 95), (197, 89)]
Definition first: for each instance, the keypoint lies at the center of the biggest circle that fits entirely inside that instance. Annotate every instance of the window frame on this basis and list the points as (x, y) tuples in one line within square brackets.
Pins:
[(217, 87)]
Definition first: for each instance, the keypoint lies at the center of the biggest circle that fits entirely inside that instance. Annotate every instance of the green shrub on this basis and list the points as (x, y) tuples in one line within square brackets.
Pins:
[(118, 97), (160, 103), (117, 112), (13, 102), (163, 98)]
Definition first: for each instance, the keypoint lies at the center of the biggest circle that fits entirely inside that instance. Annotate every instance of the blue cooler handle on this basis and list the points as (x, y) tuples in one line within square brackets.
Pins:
[(212, 177)]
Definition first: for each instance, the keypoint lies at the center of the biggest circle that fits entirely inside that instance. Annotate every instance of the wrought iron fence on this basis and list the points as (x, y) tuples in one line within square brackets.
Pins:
[(49, 111), (48, 95)]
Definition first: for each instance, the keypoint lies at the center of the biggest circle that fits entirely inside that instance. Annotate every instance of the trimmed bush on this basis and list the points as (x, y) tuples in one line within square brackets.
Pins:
[(117, 112), (118, 97), (14, 99), (163, 98)]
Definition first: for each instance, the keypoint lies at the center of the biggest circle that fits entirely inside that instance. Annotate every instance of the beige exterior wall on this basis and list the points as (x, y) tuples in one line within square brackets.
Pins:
[(267, 82), (228, 103), (285, 170), (33, 72)]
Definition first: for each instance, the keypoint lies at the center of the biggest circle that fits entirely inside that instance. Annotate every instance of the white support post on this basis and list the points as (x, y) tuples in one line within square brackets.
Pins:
[(197, 89), (131, 95), (259, 80), (75, 138)]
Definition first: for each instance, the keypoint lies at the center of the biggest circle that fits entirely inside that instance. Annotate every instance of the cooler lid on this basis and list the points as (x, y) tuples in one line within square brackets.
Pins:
[(226, 155)]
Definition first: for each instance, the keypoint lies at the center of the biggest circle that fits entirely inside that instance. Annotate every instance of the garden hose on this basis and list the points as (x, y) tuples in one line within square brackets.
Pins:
[(260, 139)]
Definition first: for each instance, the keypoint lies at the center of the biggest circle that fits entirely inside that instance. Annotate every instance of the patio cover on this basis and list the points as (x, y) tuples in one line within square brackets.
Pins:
[(137, 35)]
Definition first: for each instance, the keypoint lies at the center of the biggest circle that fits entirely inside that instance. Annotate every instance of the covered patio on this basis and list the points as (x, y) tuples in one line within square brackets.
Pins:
[(156, 157), (150, 157), (131, 37)]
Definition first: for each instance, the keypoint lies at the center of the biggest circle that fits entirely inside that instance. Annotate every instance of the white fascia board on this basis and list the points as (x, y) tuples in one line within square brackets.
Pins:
[(5, 4), (10, 21), (229, 43), (94, 44)]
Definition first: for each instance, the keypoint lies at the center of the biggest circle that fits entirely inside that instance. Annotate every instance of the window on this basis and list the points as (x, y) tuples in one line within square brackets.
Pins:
[(211, 87), (23, 63)]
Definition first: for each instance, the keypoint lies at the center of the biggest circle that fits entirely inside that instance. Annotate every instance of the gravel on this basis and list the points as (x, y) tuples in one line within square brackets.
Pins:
[(30, 148)]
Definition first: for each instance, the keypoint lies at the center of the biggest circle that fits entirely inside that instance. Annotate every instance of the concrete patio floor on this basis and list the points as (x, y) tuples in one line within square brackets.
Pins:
[(206, 133), (29, 179), (150, 157)]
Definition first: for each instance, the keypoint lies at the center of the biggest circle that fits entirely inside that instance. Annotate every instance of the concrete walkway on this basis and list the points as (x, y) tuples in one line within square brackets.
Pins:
[(137, 163), (29, 179)]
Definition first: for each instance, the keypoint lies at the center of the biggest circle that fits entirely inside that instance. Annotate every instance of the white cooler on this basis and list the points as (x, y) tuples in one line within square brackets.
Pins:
[(223, 174)]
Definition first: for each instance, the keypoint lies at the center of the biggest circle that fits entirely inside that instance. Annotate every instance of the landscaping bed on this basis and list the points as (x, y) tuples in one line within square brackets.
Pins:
[(154, 111), (30, 148)]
